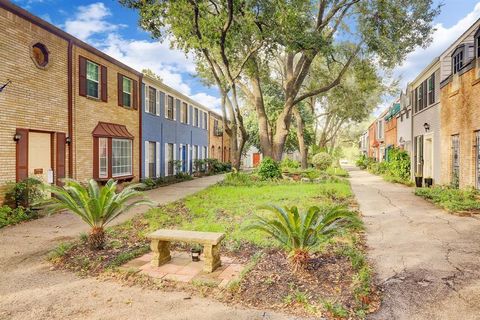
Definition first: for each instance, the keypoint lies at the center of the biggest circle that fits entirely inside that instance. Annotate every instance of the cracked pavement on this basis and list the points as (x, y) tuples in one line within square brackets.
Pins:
[(427, 261)]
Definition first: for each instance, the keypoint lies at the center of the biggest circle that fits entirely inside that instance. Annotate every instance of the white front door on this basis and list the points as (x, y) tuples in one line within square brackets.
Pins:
[(428, 156), (40, 156)]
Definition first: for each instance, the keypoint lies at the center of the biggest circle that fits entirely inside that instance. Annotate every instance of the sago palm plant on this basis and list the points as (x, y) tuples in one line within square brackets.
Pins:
[(298, 232), (95, 205)]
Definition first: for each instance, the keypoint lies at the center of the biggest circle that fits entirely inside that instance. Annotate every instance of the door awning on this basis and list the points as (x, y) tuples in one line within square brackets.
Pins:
[(111, 130)]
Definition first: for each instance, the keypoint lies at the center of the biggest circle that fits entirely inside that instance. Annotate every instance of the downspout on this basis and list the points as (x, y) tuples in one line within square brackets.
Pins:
[(140, 111), (70, 107)]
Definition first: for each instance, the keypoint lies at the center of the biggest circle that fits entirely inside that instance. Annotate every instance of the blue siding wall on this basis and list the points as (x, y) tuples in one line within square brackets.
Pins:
[(160, 129)]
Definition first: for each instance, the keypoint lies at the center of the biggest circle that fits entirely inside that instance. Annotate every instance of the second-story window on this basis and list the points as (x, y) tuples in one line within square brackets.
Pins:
[(431, 89), (93, 79), (152, 100), (127, 92), (196, 118), (205, 121), (170, 108), (184, 117), (457, 61)]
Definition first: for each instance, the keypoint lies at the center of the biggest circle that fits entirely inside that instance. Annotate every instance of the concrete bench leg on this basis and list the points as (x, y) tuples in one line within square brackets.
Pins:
[(161, 252), (212, 258)]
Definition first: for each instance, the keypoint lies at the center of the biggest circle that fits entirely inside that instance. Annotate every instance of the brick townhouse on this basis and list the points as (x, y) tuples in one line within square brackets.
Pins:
[(68, 110), (460, 113), (219, 141)]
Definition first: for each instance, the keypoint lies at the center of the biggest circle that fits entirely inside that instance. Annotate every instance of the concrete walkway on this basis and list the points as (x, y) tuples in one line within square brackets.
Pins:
[(427, 261), (30, 290)]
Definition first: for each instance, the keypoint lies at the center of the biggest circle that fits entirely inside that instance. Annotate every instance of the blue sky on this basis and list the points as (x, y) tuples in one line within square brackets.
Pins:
[(114, 30)]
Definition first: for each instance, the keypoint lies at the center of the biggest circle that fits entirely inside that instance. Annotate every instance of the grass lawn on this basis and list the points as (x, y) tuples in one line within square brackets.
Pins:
[(339, 279)]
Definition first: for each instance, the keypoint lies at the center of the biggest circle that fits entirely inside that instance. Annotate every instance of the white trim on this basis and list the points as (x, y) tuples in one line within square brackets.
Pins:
[(147, 98), (147, 171), (157, 159), (157, 106)]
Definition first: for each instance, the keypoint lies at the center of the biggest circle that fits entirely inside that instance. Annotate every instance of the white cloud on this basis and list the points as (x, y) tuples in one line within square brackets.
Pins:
[(442, 38), (207, 100), (90, 20)]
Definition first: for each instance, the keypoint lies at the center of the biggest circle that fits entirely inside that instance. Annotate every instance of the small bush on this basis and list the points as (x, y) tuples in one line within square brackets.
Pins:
[(10, 216), (269, 169), (25, 193), (454, 200), (337, 171), (287, 163), (378, 168), (398, 164), (363, 162), (322, 161)]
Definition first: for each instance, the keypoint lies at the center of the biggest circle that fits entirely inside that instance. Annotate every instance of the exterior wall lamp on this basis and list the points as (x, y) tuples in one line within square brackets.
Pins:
[(17, 137), (5, 85), (426, 126), (68, 140)]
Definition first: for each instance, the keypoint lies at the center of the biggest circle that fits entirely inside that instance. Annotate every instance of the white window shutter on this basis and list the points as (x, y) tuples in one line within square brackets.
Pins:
[(146, 160), (174, 158), (175, 109), (165, 105), (166, 158), (187, 157), (147, 100), (157, 159), (157, 107)]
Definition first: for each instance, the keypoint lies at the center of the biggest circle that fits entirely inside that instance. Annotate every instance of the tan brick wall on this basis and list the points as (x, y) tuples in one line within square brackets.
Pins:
[(36, 98), (217, 141), (460, 114), (88, 112)]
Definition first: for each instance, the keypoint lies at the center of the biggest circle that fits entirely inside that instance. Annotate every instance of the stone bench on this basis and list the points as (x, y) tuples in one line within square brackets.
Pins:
[(160, 245)]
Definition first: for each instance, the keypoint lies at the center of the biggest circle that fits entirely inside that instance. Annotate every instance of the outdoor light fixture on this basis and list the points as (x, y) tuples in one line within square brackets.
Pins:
[(17, 137), (68, 140), (426, 126), (195, 254), (6, 84)]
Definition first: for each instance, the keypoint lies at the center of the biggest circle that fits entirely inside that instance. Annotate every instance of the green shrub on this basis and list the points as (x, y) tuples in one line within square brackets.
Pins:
[(363, 162), (378, 168), (10, 216), (452, 199), (25, 193), (288, 163), (337, 171), (213, 166), (322, 161), (398, 164), (199, 165), (269, 169), (298, 232)]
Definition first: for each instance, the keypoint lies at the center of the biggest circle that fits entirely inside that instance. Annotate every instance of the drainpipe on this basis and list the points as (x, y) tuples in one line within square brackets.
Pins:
[(70, 107)]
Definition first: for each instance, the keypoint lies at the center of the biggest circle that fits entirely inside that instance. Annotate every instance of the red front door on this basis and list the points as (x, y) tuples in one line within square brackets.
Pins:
[(256, 159)]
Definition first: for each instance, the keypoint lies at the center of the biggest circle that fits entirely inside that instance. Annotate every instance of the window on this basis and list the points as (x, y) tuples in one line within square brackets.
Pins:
[(205, 150), (152, 100), (477, 43), (169, 158), (93, 77), (102, 157), (455, 161), (195, 118), (170, 108), (418, 155), (212, 155), (127, 92), (184, 111), (195, 152), (431, 89), (458, 61), (151, 159), (420, 97), (39, 54), (121, 157), (205, 121)]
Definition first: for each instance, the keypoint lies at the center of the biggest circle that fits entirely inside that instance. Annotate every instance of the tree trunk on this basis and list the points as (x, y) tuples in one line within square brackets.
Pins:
[(96, 238), (302, 148)]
